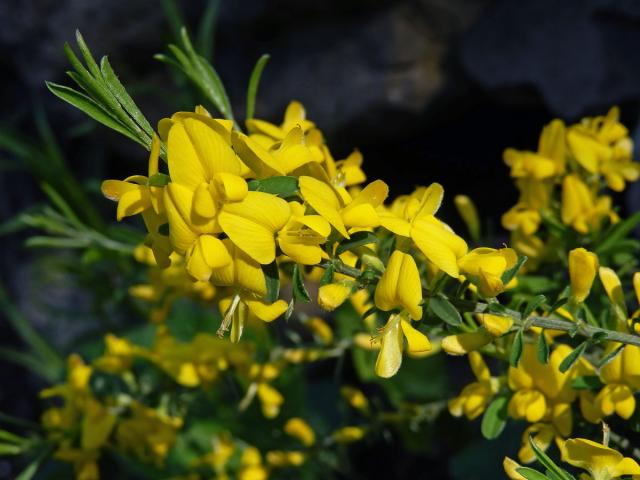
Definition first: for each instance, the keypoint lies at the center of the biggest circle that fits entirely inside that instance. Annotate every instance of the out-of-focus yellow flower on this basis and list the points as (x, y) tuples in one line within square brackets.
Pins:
[(251, 467), (118, 355), (582, 271), (392, 337), (270, 399), (282, 459), (613, 287), (582, 210), (222, 451), (348, 434), (320, 329), (475, 397), (484, 267), (602, 463), (400, 286), (355, 397), (297, 428), (469, 214), (147, 434)]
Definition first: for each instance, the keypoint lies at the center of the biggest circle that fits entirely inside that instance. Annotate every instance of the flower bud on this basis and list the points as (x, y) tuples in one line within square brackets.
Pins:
[(583, 266), (469, 214)]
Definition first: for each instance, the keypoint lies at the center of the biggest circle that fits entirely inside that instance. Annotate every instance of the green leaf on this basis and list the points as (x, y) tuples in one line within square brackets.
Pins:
[(542, 349), (272, 278), (570, 359), (206, 29), (534, 303), (289, 312), (445, 311), (29, 472), (619, 231), (91, 108), (547, 463), (283, 186), (516, 349), (586, 382), (495, 417), (508, 275), (118, 91), (254, 82), (558, 303), (357, 239), (531, 474), (299, 290), (610, 356), (327, 276)]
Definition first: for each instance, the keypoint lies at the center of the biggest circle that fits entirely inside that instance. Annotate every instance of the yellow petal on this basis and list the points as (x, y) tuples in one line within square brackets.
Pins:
[(583, 266), (251, 224), (400, 285), (431, 200), (464, 343), (441, 246), (266, 312), (613, 287), (417, 342), (256, 157), (332, 295), (178, 201), (390, 355), (133, 201), (207, 253), (495, 324), (323, 200), (479, 367), (299, 429)]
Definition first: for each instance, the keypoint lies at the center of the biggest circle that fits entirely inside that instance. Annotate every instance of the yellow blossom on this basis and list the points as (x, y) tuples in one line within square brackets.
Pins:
[(392, 344), (602, 462), (581, 208), (400, 286), (475, 397), (355, 397), (469, 214), (582, 271), (485, 267), (298, 428)]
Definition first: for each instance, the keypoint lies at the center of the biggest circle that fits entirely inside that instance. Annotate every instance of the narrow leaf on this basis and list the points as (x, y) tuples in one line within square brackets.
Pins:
[(547, 463), (586, 382), (570, 359), (534, 303), (299, 290), (254, 82), (542, 349), (508, 275), (283, 186), (272, 278), (531, 474), (327, 276), (516, 349), (610, 356)]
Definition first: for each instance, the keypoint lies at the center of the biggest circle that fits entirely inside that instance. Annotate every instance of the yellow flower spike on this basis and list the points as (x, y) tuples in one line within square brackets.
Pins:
[(464, 343), (613, 287), (510, 468), (355, 398), (400, 286), (469, 214), (252, 224), (496, 325), (324, 200), (391, 345), (332, 295), (582, 271), (602, 463), (297, 428), (485, 266)]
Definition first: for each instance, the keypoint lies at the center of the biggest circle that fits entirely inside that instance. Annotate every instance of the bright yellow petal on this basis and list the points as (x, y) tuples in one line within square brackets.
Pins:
[(323, 200), (390, 355), (400, 285), (417, 342)]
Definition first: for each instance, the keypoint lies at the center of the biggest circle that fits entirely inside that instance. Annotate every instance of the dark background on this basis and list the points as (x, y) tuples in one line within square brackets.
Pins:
[(428, 90)]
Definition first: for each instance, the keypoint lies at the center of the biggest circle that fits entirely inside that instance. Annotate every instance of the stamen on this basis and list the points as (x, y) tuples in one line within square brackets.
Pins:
[(228, 317)]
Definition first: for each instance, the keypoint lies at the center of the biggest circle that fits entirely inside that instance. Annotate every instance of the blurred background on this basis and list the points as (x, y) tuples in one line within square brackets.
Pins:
[(428, 90)]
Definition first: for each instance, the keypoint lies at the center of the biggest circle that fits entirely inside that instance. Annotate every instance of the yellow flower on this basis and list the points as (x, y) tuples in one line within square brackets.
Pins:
[(251, 467), (547, 161), (582, 271), (602, 463), (299, 429), (522, 217), (294, 115), (270, 399), (581, 208), (542, 392), (463, 343), (613, 287), (484, 267), (496, 325), (249, 286), (332, 295), (282, 459), (118, 356), (400, 286), (622, 378), (392, 344), (320, 329), (414, 216), (543, 434), (475, 397), (302, 237)]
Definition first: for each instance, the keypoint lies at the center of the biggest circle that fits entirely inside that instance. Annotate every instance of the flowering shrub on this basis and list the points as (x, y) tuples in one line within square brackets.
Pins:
[(261, 226)]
